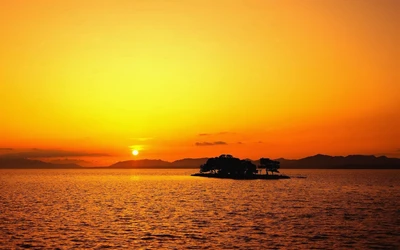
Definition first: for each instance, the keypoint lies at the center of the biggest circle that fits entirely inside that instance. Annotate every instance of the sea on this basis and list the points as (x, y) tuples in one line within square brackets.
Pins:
[(169, 209)]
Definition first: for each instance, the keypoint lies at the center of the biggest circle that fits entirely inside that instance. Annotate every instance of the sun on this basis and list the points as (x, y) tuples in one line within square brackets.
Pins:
[(135, 152)]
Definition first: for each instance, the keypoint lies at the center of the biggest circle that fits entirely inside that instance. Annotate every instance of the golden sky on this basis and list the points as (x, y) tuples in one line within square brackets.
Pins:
[(191, 78)]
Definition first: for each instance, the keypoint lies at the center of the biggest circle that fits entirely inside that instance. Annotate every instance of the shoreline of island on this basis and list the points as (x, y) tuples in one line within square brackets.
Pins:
[(252, 177)]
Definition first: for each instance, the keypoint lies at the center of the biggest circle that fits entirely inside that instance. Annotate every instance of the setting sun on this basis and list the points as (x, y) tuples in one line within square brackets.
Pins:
[(135, 152)]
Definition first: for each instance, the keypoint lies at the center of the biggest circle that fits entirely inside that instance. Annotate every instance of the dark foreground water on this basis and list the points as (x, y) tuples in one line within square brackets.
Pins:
[(167, 209)]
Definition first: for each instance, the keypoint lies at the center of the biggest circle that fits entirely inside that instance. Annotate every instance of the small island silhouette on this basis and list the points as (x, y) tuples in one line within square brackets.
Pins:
[(227, 166)]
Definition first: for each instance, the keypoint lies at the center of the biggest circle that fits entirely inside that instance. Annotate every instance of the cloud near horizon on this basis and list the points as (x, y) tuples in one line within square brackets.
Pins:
[(216, 143), (6, 149), (204, 134), (219, 133), (40, 153)]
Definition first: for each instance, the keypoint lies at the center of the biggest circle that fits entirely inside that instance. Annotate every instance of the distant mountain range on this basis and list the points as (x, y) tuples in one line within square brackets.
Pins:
[(313, 162), (342, 162), (22, 163), (183, 163)]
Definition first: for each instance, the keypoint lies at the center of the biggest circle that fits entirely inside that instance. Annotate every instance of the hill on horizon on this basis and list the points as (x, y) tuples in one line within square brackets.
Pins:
[(318, 161), (23, 163)]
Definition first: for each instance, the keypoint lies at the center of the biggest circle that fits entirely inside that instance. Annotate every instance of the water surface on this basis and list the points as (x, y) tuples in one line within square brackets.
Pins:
[(153, 209)]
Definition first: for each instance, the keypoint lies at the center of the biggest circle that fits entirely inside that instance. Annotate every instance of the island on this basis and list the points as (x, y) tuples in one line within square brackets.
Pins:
[(227, 166)]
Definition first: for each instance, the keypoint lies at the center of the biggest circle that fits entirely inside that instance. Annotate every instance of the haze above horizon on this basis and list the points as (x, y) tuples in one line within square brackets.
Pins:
[(92, 81)]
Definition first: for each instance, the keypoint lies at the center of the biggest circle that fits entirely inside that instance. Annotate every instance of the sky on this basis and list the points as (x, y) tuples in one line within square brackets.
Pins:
[(92, 80)]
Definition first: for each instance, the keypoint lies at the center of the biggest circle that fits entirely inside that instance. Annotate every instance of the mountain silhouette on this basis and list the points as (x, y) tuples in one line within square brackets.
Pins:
[(189, 162), (22, 163), (182, 163), (318, 161), (146, 163)]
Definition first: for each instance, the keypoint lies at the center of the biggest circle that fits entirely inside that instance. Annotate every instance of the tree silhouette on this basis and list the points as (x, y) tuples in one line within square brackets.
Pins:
[(269, 165), (227, 165), (249, 167)]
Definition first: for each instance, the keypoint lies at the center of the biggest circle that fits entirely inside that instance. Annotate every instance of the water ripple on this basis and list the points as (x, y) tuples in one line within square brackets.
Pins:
[(102, 209)]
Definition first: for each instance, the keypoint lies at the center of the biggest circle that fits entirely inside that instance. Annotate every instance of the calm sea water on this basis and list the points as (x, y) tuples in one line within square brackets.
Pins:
[(168, 209)]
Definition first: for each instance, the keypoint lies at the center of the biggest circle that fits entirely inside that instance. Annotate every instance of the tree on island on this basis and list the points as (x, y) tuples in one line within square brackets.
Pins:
[(227, 165), (269, 165)]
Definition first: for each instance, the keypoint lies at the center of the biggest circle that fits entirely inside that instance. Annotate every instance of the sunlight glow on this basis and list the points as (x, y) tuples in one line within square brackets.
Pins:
[(184, 79)]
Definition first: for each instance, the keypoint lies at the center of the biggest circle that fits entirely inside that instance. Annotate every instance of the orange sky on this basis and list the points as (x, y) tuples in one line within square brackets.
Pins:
[(181, 79)]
